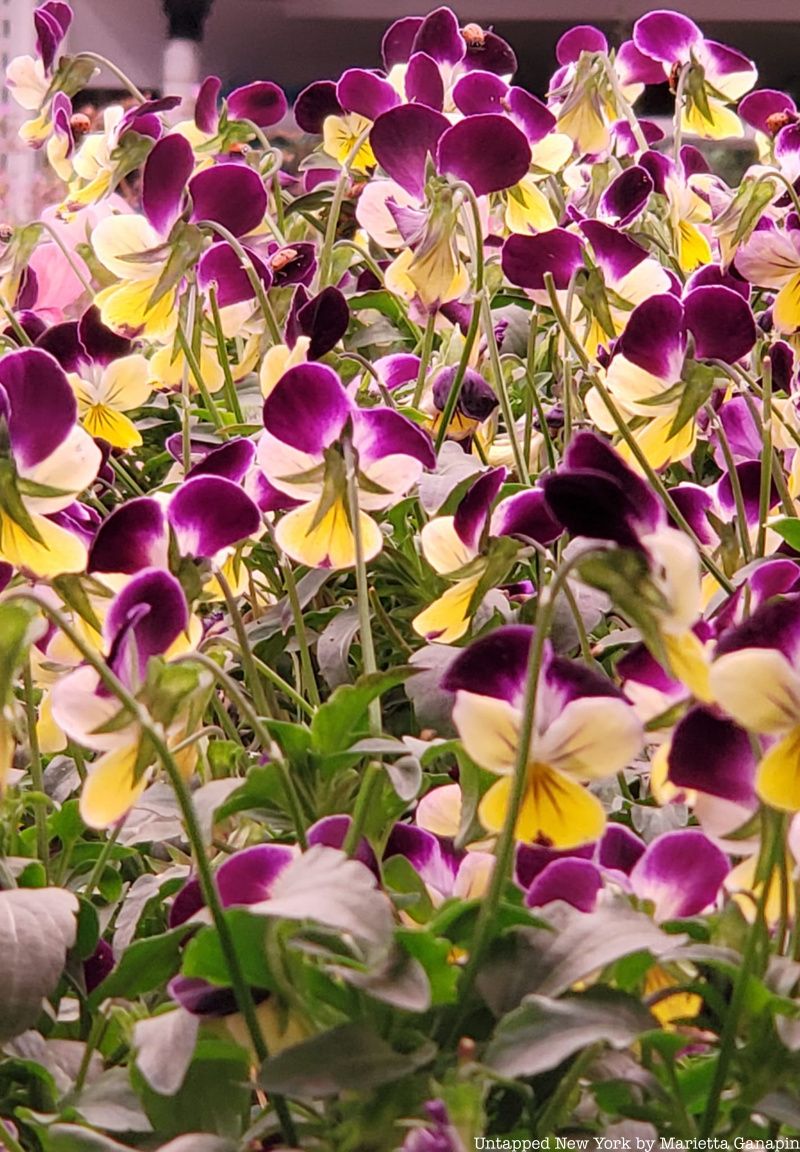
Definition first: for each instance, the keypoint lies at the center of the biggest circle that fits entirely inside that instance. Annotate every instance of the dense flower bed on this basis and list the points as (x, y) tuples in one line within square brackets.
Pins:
[(400, 613)]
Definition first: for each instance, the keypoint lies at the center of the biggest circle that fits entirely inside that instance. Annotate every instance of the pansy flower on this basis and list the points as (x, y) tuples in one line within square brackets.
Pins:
[(48, 460), (144, 621), (771, 259), (308, 417), (459, 548), (584, 730), (30, 78)]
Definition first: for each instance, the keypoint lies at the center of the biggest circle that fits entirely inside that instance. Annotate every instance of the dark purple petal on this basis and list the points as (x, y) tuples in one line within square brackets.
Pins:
[(627, 196), (166, 172), (206, 106), (615, 252), (37, 402), (599, 505), (749, 475), (366, 93), (398, 41), (100, 343), (694, 503), (51, 21), (530, 860), (308, 408), (495, 665), (62, 342), (31, 324), (423, 82), (666, 36), (619, 849), (625, 143), (589, 452), (397, 369), (576, 882), (476, 400), (133, 537), (582, 38), (775, 624), (681, 872), (293, 264), (526, 259), (742, 427), (188, 901), (531, 115), (693, 161), (98, 966), (248, 876), (324, 319), (431, 858), (148, 615), (332, 832), (315, 104), (721, 323), (380, 432), (267, 498), (201, 998), (633, 67), (232, 195), (440, 37), (488, 152), (478, 93), (756, 108), (660, 168), (210, 513), (231, 461), (711, 754), (403, 139), (566, 680), (781, 358), (526, 514), (708, 275), (639, 666), (488, 52), (221, 268), (473, 510), (654, 337), (262, 103)]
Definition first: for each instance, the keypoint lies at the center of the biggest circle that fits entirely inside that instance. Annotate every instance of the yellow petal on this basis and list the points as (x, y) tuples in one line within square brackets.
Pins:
[(110, 790), (125, 383), (759, 688), (330, 543), (746, 891), (447, 619), (585, 125), (51, 738), (115, 427), (689, 663), (489, 730), (59, 552), (528, 209), (339, 136), (658, 446), (124, 308), (778, 776), (555, 810), (786, 310), (668, 1009), (693, 248), (722, 123)]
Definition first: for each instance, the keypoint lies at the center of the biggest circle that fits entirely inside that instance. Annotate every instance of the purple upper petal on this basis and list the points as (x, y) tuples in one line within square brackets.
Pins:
[(332, 831), (209, 513), (220, 267), (324, 319), (229, 194), (308, 408), (488, 52), (712, 754), (197, 996), (423, 82), (634, 67), (530, 860), (398, 40), (476, 400), (380, 432), (366, 93), (488, 152), (232, 460), (144, 619), (775, 624), (314, 104), (681, 872), (440, 37), (495, 665), (526, 514), (721, 322), (619, 849), (708, 275), (531, 115), (262, 103), (654, 338), (206, 105), (166, 172), (575, 881), (757, 107), (62, 342), (100, 344), (480, 92), (248, 876), (51, 21), (615, 252), (473, 510), (430, 856), (37, 402), (133, 537), (626, 197), (582, 38), (402, 139), (666, 36), (526, 259)]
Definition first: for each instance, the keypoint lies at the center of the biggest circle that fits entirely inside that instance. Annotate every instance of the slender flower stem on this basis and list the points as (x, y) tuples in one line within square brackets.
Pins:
[(766, 455), (631, 441), (68, 256), (102, 62), (677, 137), (624, 106), (252, 675), (502, 392), (197, 372), (738, 497), (458, 379), (231, 394), (269, 674), (290, 584), (252, 275), (425, 358), (326, 255), (156, 736), (37, 775)]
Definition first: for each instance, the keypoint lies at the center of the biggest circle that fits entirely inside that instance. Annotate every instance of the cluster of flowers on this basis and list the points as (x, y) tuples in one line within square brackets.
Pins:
[(506, 389)]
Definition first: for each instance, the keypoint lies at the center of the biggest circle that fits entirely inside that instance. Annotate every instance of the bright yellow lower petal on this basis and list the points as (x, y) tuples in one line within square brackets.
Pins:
[(586, 126), (447, 619), (746, 891), (110, 789), (59, 551), (668, 1009), (658, 446), (689, 663), (528, 209), (555, 810), (51, 738), (330, 543), (721, 123), (115, 427), (778, 776), (693, 248), (786, 310), (339, 137), (124, 309), (126, 383)]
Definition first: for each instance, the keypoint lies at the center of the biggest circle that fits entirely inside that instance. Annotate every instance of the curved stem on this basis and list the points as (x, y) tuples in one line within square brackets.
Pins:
[(424, 360), (103, 62), (326, 255)]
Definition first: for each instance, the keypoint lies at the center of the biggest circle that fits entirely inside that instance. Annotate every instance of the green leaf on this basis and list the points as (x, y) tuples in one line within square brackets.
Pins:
[(788, 528), (542, 1033), (214, 1096), (17, 631), (433, 953), (146, 964), (204, 958), (342, 718), (698, 380), (351, 1058)]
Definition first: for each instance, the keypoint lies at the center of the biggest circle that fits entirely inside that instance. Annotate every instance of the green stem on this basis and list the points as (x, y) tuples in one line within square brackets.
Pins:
[(362, 584), (425, 358), (458, 379), (96, 58), (252, 675), (37, 775), (269, 674), (738, 497), (326, 255), (197, 372), (624, 106), (766, 455), (550, 1117), (502, 391), (676, 119), (309, 679), (231, 395)]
